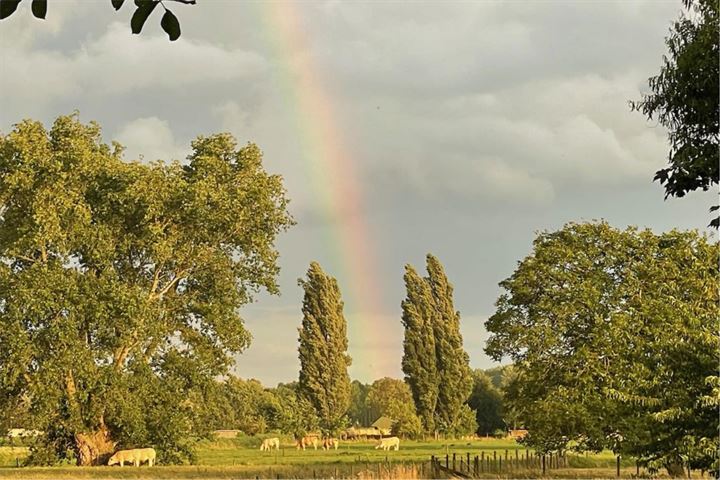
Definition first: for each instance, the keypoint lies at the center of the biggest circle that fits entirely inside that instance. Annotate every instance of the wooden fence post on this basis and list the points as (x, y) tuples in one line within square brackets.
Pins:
[(453, 460), (543, 465), (447, 461), (467, 455), (482, 461), (617, 466)]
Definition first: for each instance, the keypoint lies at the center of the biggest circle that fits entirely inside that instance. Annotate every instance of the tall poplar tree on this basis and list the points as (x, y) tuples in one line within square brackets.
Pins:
[(324, 379), (434, 362), (453, 363), (419, 363)]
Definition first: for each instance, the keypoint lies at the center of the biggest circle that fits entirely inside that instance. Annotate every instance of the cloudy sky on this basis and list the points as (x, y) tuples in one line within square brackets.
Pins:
[(401, 128)]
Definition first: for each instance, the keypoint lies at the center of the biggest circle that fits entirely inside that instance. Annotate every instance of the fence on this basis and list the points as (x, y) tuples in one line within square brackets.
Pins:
[(465, 466)]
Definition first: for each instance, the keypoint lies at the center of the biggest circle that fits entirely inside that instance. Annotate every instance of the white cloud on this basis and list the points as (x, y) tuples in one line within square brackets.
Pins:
[(117, 63), (150, 138)]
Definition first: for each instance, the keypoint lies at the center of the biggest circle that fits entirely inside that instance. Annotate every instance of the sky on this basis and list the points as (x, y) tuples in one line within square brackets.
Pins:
[(454, 128)]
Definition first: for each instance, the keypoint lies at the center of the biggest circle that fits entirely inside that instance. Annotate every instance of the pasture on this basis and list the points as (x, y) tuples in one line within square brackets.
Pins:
[(241, 458)]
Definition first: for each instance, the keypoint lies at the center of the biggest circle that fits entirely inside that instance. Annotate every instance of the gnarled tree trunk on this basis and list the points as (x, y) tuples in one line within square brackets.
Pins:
[(94, 448)]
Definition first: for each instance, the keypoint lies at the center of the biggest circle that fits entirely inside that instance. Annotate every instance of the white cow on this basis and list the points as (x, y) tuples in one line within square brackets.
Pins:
[(389, 443), (329, 443), (307, 441), (135, 456), (269, 444)]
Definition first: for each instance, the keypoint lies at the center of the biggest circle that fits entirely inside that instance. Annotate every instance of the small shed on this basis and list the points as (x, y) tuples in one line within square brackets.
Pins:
[(384, 424)]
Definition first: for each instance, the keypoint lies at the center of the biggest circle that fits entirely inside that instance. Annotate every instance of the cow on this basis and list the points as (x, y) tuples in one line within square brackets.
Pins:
[(269, 444), (388, 443), (135, 456), (329, 443), (307, 441)]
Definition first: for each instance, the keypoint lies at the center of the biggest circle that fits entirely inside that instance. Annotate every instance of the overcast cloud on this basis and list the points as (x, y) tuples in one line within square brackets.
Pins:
[(471, 126)]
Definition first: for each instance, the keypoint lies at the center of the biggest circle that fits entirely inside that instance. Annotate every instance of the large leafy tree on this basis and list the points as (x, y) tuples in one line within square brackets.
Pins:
[(487, 401), (614, 339), (120, 282), (435, 363), (392, 398), (143, 9), (324, 361), (684, 99)]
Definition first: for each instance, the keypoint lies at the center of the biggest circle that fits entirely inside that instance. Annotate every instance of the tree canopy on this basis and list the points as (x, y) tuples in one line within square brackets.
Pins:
[(322, 349), (684, 100), (143, 9), (392, 398), (120, 282), (435, 363), (614, 339)]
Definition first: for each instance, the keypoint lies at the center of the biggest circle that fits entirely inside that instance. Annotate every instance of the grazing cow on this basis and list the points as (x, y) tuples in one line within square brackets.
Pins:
[(329, 443), (389, 443), (270, 443), (307, 441), (135, 457)]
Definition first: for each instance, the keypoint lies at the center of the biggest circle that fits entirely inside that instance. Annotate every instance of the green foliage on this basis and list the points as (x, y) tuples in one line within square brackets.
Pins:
[(237, 404), (392, 398), (487, 401), (614, 339), (435, 364), (291, 412), (324, 361), (419, 362), (684, 100), (359, 412), (453, 363), (120, 283), (143, 9)]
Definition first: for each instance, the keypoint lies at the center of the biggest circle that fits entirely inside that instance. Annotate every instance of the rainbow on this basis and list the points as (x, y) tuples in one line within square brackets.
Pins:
[(330, 168)]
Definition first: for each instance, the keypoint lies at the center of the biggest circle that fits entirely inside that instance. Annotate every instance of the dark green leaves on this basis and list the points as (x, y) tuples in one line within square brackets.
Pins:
[(8, 7), (170, 24), (39, 8), (143, 11)]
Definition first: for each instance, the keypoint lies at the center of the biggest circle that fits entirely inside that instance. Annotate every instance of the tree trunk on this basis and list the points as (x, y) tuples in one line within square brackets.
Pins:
[(94, 448)]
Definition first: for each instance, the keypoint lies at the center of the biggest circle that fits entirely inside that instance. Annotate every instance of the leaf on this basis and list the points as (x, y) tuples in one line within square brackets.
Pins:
[(170, 24), (39, 8), (117, 4), (143, 11), (8, 7)]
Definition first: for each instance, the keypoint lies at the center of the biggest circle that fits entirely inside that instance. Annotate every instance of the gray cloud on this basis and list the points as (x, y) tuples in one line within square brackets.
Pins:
[(470, 126)]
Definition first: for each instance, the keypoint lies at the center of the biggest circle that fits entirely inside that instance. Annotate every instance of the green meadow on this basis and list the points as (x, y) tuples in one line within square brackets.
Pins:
[(241, 458)]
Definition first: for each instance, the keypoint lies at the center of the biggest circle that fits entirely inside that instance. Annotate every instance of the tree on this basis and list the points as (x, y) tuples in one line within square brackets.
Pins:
[(143, 9), (435, 364), (358, 412), (392, 398), (487, 401), (614, 340), (324, 361), (290, 412), (419, 362), (120, 282), (453, 363), (684, 99)]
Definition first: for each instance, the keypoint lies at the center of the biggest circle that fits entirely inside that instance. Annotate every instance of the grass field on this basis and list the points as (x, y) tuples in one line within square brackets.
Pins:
[(241, 458)]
